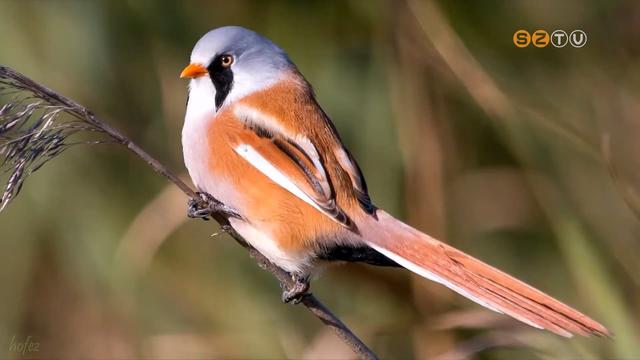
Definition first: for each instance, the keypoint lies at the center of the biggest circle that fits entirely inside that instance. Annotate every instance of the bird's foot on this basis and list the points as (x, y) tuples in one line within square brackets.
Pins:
[(206, 205), (297, 291), (198, 208)]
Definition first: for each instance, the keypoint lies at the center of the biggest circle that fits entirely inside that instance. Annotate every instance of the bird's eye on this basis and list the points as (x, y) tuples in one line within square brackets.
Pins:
[(226, 60)]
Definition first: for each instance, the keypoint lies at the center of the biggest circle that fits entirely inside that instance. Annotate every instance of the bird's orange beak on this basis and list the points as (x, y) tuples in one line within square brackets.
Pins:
[(193, 71)]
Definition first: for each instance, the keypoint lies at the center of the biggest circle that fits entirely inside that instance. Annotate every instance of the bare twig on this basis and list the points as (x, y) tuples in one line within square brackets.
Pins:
[(25, 147)]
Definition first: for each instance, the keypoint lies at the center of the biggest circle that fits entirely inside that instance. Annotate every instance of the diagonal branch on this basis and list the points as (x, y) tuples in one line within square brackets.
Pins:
[(25, 148)]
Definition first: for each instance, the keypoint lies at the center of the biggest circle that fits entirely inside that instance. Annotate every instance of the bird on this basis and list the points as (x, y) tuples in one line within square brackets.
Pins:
[(256, 140)]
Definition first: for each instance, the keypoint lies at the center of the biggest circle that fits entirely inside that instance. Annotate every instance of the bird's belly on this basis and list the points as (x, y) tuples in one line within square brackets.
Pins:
[(263, 240)]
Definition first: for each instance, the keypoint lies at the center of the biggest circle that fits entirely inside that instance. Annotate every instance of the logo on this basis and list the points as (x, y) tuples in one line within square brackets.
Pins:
[(521, 38), (578, 38), (541, 38), (559, 38)]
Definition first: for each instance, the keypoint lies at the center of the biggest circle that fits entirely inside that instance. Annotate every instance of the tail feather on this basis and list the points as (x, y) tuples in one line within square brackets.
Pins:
[(474, 279)]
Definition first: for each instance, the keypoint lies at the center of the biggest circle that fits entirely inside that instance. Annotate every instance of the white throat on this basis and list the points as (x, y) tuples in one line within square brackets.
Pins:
[(202, 99)]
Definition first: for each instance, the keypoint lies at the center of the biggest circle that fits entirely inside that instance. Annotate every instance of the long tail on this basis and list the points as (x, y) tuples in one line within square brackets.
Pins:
[(474, 279)]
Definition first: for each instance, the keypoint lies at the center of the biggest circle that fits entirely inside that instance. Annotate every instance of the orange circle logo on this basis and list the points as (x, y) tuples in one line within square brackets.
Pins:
[(521, 38), (540, 38)]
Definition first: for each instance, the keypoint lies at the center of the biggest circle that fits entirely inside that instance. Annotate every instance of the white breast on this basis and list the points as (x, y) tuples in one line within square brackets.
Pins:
[(195, 144)]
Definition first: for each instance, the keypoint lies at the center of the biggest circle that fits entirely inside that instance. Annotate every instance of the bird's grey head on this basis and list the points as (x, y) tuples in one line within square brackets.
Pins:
[(229, 63)]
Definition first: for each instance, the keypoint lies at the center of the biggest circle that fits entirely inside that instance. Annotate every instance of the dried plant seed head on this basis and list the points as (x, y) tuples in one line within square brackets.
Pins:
[(33, 130)]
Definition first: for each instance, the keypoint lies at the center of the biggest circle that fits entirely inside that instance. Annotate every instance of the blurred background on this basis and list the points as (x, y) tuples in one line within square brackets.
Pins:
[(527, 158)]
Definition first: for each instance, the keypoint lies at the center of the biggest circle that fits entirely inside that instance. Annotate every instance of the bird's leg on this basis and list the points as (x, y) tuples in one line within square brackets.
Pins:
[(297, 291), (206, 205)]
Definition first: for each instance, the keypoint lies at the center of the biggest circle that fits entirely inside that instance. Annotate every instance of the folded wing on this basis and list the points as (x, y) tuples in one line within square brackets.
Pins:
[(293, 163)]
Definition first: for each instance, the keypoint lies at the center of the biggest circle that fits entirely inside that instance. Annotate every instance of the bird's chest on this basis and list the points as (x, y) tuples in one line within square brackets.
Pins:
[(201, 155)]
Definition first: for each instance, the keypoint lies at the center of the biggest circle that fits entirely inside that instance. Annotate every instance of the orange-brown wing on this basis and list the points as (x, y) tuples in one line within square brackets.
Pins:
[(293, 165)]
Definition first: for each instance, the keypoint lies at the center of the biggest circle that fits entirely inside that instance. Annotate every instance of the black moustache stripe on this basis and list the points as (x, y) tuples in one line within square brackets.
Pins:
[(222, 78)]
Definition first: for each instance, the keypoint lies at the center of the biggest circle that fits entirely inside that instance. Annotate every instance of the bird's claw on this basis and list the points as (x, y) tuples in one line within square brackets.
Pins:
[(206, 205), (297, 292), (198, 208)]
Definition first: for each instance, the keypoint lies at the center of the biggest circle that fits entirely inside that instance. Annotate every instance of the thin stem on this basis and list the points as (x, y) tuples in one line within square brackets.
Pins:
[(73, 108)]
